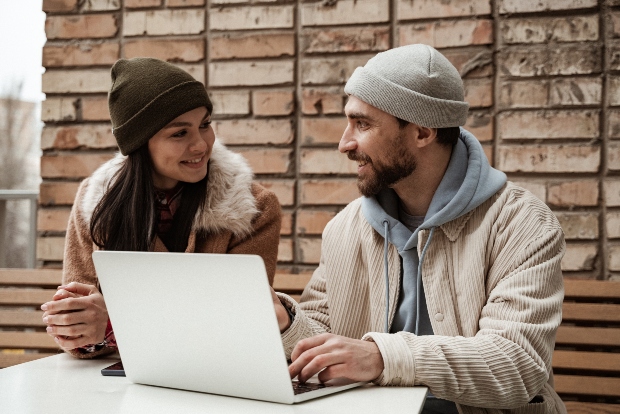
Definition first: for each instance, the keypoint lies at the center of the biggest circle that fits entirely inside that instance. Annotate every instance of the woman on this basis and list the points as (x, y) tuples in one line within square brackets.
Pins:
[(174, 188)]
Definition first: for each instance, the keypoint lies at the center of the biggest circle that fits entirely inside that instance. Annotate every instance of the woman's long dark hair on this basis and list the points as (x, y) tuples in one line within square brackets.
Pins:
[(125, 218)]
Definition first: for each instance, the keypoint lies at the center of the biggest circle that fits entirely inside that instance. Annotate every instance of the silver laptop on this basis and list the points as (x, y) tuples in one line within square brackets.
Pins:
[(200, 322)]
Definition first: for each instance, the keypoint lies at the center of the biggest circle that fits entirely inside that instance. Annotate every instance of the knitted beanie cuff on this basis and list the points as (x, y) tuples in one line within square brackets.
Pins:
[(404, 103)]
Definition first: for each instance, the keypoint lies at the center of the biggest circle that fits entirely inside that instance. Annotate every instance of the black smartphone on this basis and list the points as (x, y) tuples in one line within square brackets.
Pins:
[(114, 370)]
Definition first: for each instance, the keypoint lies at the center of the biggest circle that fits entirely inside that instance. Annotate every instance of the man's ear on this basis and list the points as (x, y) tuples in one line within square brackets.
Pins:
[(425, 136)]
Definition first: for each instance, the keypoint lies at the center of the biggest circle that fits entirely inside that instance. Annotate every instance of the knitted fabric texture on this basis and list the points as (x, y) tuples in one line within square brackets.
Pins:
[(147, 94), (415, 83)]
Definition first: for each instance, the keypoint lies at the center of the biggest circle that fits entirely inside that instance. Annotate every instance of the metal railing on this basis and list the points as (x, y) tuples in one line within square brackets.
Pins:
[(33, 196)]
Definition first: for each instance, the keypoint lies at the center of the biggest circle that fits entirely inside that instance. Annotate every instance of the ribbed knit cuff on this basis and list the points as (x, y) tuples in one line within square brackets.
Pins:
[(295, 332), (398, 362)]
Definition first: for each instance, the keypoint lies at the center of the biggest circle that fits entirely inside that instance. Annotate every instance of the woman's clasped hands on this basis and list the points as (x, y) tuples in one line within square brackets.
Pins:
[(76, 316)]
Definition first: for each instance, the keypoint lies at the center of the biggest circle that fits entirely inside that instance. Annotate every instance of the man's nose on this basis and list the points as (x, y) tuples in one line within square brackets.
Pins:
[(347, 143)]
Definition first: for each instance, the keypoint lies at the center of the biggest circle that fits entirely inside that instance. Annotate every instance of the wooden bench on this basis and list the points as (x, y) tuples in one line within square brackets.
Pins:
[(586, 361), (22, 332)]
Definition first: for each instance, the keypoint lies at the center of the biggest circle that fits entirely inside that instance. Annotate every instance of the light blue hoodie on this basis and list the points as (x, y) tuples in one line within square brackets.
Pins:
[(468, 182)]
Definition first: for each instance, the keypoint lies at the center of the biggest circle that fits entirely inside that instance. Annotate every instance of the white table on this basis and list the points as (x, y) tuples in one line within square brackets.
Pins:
[(65, 385)]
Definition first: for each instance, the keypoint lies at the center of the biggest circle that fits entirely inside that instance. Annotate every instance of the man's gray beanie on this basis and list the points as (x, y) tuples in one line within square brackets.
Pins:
[(415, 83)]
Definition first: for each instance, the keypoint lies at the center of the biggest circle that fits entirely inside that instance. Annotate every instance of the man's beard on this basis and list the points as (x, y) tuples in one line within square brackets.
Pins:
[(402, 164)]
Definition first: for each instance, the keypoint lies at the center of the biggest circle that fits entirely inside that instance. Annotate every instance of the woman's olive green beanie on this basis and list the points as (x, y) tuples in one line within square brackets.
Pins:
[(147, 94)]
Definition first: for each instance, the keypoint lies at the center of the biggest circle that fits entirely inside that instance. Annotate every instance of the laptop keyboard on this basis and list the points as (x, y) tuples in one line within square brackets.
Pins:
[(299, 388)]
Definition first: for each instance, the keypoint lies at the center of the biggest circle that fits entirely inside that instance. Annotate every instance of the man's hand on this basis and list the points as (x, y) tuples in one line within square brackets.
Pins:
[(338, 357), (283, 319), (77, 316)]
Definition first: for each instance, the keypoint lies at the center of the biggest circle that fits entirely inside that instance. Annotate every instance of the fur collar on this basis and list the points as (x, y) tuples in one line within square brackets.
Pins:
[(230, 205)]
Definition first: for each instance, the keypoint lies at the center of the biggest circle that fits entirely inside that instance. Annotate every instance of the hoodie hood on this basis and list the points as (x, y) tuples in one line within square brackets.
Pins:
[(468, 182)]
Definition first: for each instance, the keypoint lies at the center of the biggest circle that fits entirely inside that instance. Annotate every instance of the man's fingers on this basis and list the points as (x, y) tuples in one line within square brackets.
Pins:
[(308, 343), (316, 364), (71, 343), (64, 319), (333, 372), (79, 288)]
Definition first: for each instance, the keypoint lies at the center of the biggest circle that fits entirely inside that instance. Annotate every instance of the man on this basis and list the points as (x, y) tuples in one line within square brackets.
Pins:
[(443, 274)]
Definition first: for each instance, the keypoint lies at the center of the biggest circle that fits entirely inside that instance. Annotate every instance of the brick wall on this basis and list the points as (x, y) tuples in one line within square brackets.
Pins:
[(542, 78)]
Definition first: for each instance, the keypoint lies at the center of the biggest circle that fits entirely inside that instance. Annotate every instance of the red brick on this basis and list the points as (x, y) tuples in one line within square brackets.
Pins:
[(325, 161), (613, 121), (76, 81), (488, 151), (95, 108), (267, 160), (254, 45), (345, 39), (613, 156), (283, 189), (71, 165), (551, 60), (58, 109), (613, 224), (55, 219), (330, 70), (322, 130), (247, 73), (614, 58), (613, 257), (579, 257), (424, 9), (479, 92), (78, 136), (136, 4), (309, 250), (319, 101), (273, 102), (254, 131), (286, 229), (328, 192), (83, 54), (285, 250), (471, 63), (529, 6), (550, 29), (612, 192), (481, 125), (549, 124), (345, 12), (576, 91), (57, 193), (576, 193), (615, 22), (101, 5), (536, 188), (80, 27), (54, 6), (184, 3), (164, 22), (550, 158), (524, 94), (614, 90), (446, 33), (579, 225), (230, 102), (246, 18), (50, 248), (170, 50), (313, 221)]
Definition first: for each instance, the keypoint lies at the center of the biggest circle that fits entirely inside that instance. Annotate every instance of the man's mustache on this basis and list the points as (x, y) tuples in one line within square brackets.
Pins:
[(358, 156)]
